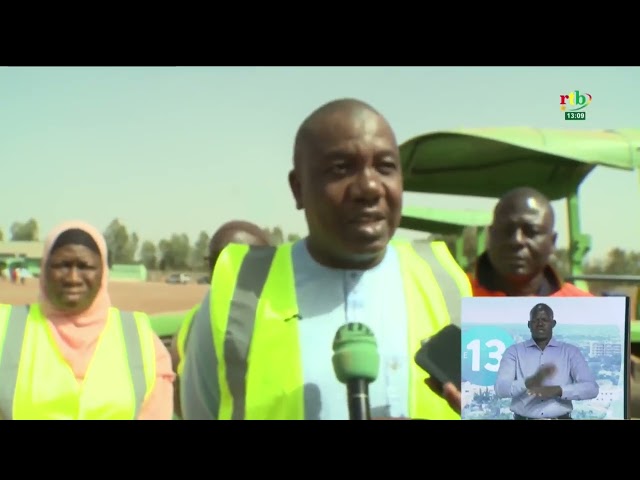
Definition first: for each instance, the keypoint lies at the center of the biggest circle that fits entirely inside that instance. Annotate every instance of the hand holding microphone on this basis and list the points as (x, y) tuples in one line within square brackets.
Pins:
[(356, 363)]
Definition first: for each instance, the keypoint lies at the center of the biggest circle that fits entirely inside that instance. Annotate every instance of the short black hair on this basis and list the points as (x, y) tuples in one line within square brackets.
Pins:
[(541, 307), (305, 131), (517, 194)]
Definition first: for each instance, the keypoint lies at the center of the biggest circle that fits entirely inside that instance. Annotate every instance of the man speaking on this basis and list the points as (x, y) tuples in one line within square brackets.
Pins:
[(542, 376), (261, 348)]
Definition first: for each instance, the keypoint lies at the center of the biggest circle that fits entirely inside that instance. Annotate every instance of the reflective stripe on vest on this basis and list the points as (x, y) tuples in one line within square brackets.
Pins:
[(242, 315), (233, 326), (10, 358), (136, 360), (183, 337), (12, 351), (431, 254)]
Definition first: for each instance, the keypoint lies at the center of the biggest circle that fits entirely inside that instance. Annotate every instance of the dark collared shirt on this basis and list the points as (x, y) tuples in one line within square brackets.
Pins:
[(523, 360)]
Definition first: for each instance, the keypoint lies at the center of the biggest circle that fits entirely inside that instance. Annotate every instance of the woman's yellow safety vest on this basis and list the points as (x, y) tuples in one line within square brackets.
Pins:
[(259, 363), (36, 383), (183, 335)]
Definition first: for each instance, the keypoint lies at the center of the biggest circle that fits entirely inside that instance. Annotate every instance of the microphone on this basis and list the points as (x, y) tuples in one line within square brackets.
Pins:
[(356, 363)]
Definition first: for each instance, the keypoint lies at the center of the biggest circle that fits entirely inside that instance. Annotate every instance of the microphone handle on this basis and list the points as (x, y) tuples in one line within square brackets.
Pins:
[(358, 400)]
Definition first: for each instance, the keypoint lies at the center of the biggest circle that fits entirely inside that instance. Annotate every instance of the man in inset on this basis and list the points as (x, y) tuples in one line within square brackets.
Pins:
[(543, 376), (520, 243)]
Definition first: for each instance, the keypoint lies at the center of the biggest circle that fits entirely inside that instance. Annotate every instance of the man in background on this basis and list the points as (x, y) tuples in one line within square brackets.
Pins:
[(543, 376), (237, 231), (520, 244)]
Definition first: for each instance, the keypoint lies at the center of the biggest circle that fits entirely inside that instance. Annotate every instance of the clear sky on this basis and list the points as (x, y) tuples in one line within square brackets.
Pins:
[(184, 149), (566, 310)]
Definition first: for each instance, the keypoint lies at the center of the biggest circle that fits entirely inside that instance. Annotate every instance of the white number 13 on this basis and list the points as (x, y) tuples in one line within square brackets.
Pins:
[(497, 350)]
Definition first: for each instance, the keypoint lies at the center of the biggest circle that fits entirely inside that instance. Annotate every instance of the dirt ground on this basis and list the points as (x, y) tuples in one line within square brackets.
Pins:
[(149, 297)]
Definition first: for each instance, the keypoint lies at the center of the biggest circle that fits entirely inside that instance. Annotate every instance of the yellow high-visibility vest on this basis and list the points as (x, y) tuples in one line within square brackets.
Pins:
[(259, 362), (36, 383), (183, 335)]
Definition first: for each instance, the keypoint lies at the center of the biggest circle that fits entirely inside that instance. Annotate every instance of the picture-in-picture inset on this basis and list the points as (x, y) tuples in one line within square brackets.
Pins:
[(545, 358)]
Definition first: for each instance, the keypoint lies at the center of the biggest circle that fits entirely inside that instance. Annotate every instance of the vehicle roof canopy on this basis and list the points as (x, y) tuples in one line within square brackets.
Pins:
[(445, 222), (487, 162)]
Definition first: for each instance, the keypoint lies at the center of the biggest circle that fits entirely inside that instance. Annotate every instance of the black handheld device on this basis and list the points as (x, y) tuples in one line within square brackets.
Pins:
[(440, 356)]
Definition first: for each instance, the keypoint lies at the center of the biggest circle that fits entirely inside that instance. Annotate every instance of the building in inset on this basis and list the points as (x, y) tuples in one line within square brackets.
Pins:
[(600, 349)]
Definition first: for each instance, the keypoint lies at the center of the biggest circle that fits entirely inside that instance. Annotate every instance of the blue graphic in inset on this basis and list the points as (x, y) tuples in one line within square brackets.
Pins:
[(482, 350)]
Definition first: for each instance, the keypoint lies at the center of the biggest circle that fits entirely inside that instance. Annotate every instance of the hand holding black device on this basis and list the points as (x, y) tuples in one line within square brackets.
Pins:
[(440, 356)]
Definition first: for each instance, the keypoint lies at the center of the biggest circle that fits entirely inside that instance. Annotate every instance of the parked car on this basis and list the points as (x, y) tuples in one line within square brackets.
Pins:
[(178, 278)]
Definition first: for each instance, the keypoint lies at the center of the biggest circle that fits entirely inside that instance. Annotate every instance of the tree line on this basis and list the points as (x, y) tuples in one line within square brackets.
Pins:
[(175, 252)]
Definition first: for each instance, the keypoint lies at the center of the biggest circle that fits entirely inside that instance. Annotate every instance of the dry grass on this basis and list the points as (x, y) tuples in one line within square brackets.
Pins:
[(149, 297)]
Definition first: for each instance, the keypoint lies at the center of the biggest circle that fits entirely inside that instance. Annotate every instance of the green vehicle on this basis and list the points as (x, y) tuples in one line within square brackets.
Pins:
[(487, 162), (448, 222), (166, 325)]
